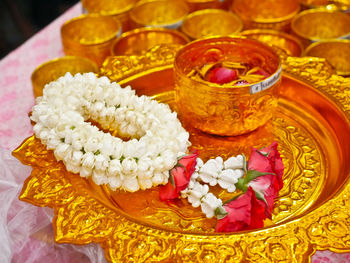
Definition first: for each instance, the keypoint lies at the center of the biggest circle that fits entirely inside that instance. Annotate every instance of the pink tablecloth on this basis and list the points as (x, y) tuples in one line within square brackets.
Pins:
[(21, 224)]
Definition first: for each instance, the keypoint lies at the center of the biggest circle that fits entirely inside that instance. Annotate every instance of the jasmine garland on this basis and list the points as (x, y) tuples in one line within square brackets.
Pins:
[(62, 114)]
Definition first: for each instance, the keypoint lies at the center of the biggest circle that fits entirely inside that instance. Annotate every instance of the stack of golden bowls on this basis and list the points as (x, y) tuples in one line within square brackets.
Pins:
[(131, 27)]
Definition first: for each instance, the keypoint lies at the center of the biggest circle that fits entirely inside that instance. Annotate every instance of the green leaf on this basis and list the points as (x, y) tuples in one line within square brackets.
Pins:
[(171, 179), (253, 174), (245, 163), (241, 184), (220, 212), (260, 196)]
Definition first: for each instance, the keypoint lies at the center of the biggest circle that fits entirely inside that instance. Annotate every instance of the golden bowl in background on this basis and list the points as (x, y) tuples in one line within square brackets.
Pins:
[(337, 53), (277, 39), (210, 22), (116, 8), (204, 4), (138, 41), (53, 69), (340, 5), (266, 13), (321, 24), (90, 36), (159, 13), (226, 109)]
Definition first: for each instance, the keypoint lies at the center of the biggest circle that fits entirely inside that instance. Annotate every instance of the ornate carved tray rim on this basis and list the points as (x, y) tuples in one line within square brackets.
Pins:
[(112, 234)]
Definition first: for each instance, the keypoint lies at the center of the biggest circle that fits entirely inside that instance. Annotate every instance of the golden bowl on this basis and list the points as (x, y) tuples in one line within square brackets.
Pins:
[(90, 36), (321, 24), (335, 5), (266, 13), (226, 109), (116, 8), (210, 22), (205, 4), (337, 53), (138, 41), (53, 69), (159, 13), (277, 39)]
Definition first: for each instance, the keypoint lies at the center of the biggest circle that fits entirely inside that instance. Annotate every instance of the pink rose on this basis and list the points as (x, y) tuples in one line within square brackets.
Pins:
[(181, 174), (243, 213), (267, 160)]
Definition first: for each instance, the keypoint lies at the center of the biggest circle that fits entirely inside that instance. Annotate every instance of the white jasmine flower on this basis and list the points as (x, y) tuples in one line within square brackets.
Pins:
[(72, 168), (228, 178), (199, 164), (88, 160), (197, 192), (61, 151), (145, 183), (157, 178), (99, 177), (130, 184), (114, 182), (209, 204), (129, 165), (85, 172), (209, 172), (92, 145), (114, 168), (76, 157), (101, 162), (234, 162)]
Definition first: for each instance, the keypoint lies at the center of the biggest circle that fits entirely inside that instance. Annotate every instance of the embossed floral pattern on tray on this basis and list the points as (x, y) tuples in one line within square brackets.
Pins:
[(83, 217)]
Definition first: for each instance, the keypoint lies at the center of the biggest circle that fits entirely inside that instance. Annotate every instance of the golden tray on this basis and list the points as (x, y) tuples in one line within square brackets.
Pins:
[(312, 212)]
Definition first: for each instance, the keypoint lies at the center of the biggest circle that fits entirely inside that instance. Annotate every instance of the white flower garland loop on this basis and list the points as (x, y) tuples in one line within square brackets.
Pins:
[(62, 114)]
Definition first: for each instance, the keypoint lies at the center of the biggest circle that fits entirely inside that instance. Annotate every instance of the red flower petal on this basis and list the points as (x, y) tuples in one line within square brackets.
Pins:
[(245, 212), (180, 177), (167, 192), (221, 75), (259, 162)]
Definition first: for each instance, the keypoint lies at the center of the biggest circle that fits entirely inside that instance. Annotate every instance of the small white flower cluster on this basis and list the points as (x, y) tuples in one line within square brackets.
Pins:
[(214, 171), (62, 116)]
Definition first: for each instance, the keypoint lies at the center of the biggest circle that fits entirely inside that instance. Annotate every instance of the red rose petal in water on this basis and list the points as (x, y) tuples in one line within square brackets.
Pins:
[(261, 72), (182, 174), (222, 75), (243, 213)]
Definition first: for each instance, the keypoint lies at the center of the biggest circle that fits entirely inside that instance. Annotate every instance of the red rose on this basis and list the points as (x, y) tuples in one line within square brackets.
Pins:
[(243, 213), (182, 174), (267, 160), (222, 75)]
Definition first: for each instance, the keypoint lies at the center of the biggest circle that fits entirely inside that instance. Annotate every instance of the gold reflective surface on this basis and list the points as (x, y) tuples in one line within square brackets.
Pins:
[(337, 53), (210, 22), (312, 127), (266, 13), (90, 36), (321, 24), (53, 69), (140, 40), (225, 109), (165, 13), (116, 8), (342, 5), (277, 39)]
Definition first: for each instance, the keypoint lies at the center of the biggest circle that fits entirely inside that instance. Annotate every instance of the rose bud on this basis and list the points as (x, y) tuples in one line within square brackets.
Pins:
[(221, 75)]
